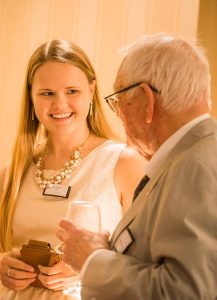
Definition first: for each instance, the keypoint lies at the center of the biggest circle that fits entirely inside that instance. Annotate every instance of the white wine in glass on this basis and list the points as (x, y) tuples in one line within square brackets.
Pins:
[(85, 215)]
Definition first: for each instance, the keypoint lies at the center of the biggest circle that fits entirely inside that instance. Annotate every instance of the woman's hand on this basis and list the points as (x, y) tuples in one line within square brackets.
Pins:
[(15, 274), (58, 277)]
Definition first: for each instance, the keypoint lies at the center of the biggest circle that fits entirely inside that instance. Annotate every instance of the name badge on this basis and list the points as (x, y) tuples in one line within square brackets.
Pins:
[(123, 241), (57, 190)]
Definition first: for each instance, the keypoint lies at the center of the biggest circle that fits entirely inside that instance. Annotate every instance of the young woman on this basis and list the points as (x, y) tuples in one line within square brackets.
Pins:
[(62, 153)]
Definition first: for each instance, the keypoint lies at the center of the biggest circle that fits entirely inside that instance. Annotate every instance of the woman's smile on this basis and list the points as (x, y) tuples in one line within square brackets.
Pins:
[(61, 116)]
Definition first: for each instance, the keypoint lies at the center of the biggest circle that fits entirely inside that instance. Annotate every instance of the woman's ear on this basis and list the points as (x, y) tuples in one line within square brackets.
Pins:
[(92, 87), (150, 101)]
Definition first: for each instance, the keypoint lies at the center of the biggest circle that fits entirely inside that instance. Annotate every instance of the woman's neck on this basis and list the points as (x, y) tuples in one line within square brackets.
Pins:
[(64, 145)]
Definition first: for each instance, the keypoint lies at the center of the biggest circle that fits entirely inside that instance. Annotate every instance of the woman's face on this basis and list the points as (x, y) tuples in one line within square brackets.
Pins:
[(61, 96)]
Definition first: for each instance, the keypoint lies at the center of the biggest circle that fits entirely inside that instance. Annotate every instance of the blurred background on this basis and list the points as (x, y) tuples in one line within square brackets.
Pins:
[(100, 27)]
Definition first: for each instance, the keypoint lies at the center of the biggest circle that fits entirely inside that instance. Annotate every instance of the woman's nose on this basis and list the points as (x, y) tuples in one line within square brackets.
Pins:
[(59, 100)]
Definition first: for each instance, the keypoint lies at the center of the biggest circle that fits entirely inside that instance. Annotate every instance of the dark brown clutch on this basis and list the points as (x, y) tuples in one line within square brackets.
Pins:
[(39, 253)]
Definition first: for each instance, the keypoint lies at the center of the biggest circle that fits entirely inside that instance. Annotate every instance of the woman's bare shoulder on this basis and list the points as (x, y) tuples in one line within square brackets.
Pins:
[(130, 166), (130, 155), (129, 171)]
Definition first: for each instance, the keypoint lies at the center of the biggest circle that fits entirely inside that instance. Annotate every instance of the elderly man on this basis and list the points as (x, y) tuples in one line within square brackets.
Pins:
[(165, 247)]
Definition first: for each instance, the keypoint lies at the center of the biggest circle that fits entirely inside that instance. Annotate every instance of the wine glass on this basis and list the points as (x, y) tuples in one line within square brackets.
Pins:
[(85, 215)]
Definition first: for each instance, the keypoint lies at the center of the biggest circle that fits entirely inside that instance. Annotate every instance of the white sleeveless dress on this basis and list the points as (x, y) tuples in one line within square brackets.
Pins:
[(37, 216)]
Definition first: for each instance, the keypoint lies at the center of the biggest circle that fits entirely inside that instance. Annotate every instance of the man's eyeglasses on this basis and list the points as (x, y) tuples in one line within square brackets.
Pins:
[(113, 101)]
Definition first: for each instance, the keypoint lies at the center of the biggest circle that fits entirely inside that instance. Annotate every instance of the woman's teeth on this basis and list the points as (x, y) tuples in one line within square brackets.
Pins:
[(61, 116)]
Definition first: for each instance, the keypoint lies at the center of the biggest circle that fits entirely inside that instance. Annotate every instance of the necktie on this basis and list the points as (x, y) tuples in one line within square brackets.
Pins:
[(140, 186)]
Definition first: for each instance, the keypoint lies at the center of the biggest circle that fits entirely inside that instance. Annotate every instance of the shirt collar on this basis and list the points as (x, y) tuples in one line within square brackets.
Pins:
[(161, 154)]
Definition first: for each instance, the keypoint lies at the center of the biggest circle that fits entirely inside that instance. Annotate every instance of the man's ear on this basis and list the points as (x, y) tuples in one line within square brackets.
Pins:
[(150, 101)]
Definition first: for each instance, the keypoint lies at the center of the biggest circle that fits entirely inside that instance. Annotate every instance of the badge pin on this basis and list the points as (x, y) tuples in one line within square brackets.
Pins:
[(124, 240), (57, 190)]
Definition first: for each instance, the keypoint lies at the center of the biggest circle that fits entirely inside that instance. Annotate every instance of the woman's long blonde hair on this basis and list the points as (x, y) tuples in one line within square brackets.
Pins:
[(29, 130)]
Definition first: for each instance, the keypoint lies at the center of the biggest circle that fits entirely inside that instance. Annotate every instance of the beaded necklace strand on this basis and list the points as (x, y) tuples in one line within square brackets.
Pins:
[(44, 182)]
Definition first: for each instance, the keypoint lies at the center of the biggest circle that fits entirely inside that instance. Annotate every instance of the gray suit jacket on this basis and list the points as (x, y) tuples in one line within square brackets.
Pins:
[(173, 224)]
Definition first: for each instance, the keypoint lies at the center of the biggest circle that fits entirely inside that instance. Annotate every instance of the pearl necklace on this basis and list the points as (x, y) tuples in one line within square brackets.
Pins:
[(63, 173)]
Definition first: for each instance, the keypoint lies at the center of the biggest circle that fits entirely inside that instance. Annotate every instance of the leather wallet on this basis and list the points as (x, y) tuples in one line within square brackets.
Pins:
[(39, 253)]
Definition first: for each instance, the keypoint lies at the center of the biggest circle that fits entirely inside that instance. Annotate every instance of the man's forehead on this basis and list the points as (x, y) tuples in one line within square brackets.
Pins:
[(121, 77), (119, 81)]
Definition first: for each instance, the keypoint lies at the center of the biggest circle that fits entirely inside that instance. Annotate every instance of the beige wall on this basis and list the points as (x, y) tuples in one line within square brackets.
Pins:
[(100, 27), (207, 28)]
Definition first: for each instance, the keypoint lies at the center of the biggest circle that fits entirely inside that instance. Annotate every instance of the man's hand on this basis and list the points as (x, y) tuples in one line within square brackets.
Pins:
[(79, 243)]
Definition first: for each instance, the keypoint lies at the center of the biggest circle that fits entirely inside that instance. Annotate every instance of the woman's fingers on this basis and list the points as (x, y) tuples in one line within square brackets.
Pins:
[(16, 284), (13, 262), (20, 274), (15, 274), (57, 277)]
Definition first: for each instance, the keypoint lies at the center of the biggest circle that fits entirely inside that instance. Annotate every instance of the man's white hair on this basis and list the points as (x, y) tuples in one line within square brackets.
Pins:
[(178, 69)]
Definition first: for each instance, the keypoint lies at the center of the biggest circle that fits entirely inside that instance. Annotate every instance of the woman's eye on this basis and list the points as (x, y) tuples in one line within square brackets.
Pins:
[(46, 94), (72, 92)]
